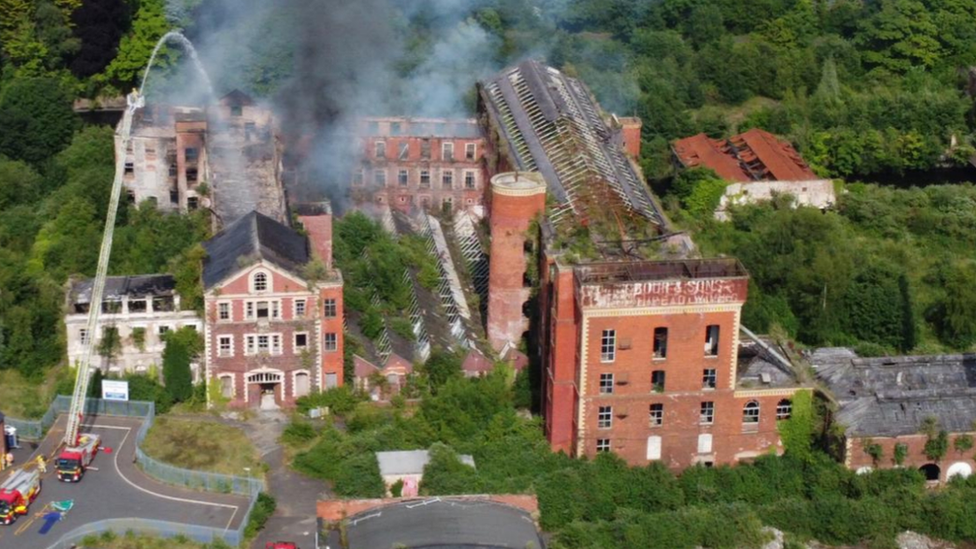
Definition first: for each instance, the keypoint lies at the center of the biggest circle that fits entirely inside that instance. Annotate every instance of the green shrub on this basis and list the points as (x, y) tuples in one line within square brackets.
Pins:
[(264, 507)]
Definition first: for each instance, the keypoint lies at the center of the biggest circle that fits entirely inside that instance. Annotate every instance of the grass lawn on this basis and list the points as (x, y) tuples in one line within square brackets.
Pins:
[(130, 541), (202, 445), (22, 398)]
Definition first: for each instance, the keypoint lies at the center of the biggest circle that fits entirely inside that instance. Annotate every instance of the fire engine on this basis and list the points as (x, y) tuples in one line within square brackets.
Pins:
[(17, 493), (74, 460)]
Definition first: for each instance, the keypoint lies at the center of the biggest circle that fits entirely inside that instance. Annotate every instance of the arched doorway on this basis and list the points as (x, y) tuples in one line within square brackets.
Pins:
[(269, 382), (959, 468), (931, 471)]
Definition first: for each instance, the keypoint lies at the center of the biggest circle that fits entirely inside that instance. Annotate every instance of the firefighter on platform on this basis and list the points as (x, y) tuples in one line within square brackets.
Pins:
[(9, 459), (41, 466)]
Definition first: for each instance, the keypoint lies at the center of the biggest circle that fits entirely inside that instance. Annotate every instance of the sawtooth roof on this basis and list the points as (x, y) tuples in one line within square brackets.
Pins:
[(248, 240), (755, 155), (552, 125), (892, 396)]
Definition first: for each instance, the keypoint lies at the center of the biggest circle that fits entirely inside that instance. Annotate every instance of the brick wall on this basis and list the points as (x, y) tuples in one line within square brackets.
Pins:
[(857, 458), (334, 510)]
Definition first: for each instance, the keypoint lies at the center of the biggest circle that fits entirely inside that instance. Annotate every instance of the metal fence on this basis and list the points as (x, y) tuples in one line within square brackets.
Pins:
[(168, 474), (146, 527)]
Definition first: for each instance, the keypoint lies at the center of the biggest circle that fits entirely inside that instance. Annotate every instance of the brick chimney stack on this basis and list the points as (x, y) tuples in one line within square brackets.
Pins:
[(631, 129), (516, 198), (317, 220)]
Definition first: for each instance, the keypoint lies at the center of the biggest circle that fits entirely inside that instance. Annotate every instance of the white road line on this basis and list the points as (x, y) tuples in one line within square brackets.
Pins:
[(116, 427), (141, 489)]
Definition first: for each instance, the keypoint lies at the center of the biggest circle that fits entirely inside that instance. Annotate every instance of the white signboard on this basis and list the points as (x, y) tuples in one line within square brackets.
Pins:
[(115, 390)]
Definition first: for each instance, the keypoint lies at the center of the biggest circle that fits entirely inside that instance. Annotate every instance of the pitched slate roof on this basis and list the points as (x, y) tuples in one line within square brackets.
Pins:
[(893, 396), (249, 239)]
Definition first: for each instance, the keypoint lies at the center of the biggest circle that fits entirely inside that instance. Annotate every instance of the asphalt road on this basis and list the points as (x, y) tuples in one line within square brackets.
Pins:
[(115, 488)]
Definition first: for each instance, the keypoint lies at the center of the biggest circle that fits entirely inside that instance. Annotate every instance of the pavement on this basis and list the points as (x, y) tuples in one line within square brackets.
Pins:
[(114, 487), (295, 516)]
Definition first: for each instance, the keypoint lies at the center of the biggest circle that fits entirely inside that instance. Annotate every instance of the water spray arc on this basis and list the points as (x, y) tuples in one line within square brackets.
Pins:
[(188, 47), (134, 102)]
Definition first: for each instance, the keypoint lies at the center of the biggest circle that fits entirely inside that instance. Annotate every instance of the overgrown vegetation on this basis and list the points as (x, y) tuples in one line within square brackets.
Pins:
[(890, 271), (110, 540), (605, 503), (202, 445)]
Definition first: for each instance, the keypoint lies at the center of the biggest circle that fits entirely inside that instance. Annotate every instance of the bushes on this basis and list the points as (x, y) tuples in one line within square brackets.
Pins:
[(264, 507)]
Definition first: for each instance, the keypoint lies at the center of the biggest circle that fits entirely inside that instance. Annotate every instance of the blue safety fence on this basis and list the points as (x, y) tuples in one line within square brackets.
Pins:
[(168, 474)]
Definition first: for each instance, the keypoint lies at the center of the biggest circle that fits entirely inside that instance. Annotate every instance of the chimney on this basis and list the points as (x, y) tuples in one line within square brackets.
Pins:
[(516, 198), (316, 217), (631, 129)]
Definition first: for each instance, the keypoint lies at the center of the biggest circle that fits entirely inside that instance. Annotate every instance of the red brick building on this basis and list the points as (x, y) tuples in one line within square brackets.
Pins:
[(431, 163), (638, 356), (891, 407), (273, 328)]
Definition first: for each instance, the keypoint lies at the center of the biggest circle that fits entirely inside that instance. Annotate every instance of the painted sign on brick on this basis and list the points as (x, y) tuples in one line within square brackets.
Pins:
[(664, 293)]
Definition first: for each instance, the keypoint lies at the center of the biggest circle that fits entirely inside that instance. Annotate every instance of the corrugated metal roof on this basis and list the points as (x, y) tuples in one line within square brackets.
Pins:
[(755, 155), (701, 151), (409, 462)]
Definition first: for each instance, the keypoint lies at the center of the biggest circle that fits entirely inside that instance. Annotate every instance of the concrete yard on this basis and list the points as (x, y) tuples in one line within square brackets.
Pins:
[(115, 488)]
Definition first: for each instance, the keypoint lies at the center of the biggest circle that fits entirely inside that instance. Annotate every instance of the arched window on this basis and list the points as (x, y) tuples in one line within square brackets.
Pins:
[(784, 409), (750, 412), (260, 282)]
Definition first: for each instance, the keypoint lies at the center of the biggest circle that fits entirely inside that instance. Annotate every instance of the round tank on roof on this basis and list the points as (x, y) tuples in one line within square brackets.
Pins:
[(518, 184)]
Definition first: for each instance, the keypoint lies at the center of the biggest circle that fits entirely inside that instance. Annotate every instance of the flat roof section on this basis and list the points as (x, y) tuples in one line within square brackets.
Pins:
[(637, 271)]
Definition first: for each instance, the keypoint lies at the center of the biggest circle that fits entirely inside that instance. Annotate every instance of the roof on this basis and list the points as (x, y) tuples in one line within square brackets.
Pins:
[(634, 271), (117, 287), (892, 396), (445, 523), (249, 239), (552, 125), (237, 98), (409, 462), (755, 155), (476, 363), (757, 369), (362, 367), (699, 151)]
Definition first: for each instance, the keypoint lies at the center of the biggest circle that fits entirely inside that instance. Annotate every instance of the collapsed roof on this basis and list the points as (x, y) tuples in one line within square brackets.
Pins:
[(552, 125), (117, 287), (248, 240), (892, 396), (755, 155)]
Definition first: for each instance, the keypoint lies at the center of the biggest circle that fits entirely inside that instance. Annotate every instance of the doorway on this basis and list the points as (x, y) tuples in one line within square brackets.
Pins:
[(268, 401)]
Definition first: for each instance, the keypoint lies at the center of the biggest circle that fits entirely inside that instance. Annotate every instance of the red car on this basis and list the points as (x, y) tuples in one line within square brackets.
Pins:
[(280, 545)]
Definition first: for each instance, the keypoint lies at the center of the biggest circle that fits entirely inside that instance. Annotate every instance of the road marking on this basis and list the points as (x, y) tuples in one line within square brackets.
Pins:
[(90, 468), (163, 496)]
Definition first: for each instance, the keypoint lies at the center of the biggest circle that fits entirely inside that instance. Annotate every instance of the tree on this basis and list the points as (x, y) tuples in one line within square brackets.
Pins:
[(446, 475), (441, 367), (956, 314), (182, 346), (98, 25), (148, 26), (899, 36), (37, 119)]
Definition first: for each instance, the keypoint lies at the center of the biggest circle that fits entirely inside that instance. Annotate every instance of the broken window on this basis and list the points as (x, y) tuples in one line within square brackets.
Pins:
[(162, 331), (657, 381), (447, 151), (656, 415), (262, 308), (447, 205), (236, 110), (711, 340), (469, 151), (357, 177), (191, 203), (173, 170), (137, 306), (381, 149), (129, 168), (153, 200), (708, 378), (379, 177), (402, 178), (608, 346), (394, 128), (174, 196), (81, 308), (111, 307), (191, 154), (468, 180), (191, 175), (425, 178), (604, 419), (130, 197), (660, 342), (301, 341), (447, 179), (164, 303), (425, 149), (784, 409), (331, 342), (750, 412), (404, 151), (707, 414)]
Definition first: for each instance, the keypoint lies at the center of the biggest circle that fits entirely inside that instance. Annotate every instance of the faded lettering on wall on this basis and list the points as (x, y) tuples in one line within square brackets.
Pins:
[(664, 293)]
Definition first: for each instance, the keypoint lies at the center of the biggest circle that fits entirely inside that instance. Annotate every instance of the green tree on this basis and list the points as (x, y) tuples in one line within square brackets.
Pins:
[(899, 36), (182, 347), (445, 474), (135, 48), (956, 314), (441, 367), (37, 119)]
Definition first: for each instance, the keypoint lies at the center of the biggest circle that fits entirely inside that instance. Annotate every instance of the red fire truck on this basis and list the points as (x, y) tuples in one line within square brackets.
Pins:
[(74, 460), (17, 493), (280, 545)]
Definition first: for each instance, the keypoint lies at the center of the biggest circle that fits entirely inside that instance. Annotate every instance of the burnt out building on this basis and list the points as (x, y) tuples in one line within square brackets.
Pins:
[(425, 163), (638, 345), (225, 158)]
